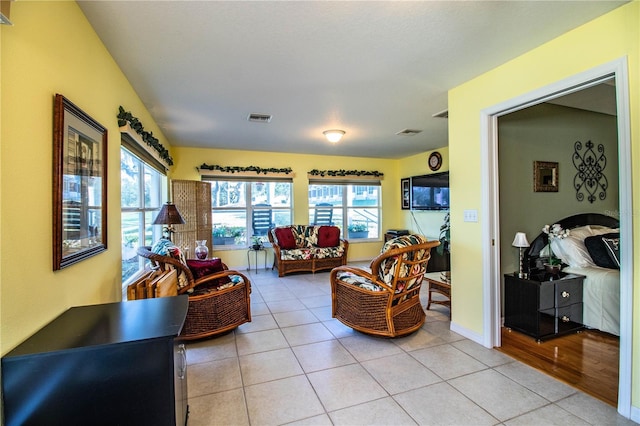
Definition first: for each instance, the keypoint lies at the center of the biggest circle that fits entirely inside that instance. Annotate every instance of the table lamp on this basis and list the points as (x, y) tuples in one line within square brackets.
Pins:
[(168, 216), (521, 242)]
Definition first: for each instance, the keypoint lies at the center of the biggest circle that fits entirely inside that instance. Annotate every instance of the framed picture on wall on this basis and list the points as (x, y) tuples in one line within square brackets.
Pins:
[(79, 185), (405, 191)]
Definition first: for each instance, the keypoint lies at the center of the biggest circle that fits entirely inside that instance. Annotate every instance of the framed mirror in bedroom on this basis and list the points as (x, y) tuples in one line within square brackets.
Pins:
[(545, 176)]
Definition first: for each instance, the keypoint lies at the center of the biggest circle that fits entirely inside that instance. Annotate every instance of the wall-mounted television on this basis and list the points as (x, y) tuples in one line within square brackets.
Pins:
[(430, 192)]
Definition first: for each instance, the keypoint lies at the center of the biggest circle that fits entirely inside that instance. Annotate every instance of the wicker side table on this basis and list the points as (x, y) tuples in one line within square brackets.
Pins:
[(440, 286)]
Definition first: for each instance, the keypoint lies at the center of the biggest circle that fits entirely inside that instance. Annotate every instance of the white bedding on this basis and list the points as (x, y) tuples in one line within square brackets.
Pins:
[(601, 297)]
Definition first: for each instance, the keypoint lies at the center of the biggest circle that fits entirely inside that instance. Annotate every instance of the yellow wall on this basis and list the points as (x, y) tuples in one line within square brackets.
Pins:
[(187, 159), (605, 39), (51, 48)]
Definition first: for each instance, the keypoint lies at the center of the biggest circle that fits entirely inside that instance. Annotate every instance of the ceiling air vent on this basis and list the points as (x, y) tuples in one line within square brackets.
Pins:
[(408, 132), (259, 118)]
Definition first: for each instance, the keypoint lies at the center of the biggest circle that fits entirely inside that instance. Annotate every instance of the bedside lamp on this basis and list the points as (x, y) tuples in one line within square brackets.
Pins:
[(521, 242), (169, 216)]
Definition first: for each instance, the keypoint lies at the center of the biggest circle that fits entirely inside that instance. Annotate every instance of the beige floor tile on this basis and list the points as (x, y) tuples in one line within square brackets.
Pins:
[(400, 373), (307, 333), (272, 365), (260, 341), (211, 349), (258, 323), (323, 313), (549, 415), (213, 376), (345, 386), (592, 410), (540, 383), (441, 404), (500, 396), (277, 294), (382, 412), (418, 340), (289, 319), (222, 408), (338, 329), (316, 301), (259, 308), (282, 401), (447, 361), (364, 347), (285, 306), (321, 420), (322, 355), (490, 357)]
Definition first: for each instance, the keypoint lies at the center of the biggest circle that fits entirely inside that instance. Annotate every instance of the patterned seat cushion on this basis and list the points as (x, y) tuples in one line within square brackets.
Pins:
[(388, 266), (358, 281)]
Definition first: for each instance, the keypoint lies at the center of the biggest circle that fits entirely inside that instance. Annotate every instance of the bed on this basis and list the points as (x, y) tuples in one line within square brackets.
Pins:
[(590, 249)]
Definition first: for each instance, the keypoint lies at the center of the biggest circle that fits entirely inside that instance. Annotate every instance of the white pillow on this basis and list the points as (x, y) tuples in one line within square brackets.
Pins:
[(571, 250)]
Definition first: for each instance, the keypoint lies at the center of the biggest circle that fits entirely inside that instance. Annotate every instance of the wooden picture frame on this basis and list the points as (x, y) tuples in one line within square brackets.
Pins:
[(545, 176), (79, 185), (405, 193)]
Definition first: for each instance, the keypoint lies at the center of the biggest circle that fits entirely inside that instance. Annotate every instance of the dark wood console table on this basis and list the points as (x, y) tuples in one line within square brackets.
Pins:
[(108, 364)]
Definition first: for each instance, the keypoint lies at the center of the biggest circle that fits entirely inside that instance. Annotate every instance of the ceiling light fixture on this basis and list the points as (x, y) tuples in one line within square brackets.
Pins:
[(333, 136)]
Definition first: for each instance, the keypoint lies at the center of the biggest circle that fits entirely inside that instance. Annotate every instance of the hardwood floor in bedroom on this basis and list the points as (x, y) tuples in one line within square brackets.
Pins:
[(587, 360)]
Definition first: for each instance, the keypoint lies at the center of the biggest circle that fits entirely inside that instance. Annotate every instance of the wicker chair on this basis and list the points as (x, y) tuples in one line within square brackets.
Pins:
[(213, 308), (385, 301)]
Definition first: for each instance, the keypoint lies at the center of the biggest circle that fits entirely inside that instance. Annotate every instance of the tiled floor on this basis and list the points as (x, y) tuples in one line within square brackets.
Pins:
[(294, 364)]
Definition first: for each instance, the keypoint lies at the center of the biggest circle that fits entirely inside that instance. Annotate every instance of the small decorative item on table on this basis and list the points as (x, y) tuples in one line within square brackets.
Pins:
[(555, 231), (201, 251)]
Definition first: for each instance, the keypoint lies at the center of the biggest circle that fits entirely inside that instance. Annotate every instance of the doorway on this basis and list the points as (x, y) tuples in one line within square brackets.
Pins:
[(618, 70)]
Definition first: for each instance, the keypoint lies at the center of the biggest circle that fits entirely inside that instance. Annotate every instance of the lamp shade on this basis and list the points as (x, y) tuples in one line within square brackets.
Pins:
[(169, 215), (333, 135), (520, 240)]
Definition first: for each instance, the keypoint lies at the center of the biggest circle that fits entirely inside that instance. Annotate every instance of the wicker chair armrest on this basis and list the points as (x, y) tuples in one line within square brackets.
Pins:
[(359, 272), (162, 261)]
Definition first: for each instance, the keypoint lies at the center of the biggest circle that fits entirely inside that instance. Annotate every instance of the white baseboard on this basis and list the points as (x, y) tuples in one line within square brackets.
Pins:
[(635, 414), (471, 335)]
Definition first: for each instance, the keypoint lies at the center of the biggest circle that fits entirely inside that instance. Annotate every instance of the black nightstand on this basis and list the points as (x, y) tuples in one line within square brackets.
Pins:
[(543, 306)]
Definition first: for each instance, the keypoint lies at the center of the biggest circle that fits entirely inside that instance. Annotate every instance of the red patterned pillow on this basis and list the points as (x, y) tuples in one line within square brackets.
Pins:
[(285, 238), (328, 236), (202, 268)]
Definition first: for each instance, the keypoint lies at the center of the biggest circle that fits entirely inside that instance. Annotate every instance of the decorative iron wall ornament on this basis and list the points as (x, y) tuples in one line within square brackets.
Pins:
[(590, 178)]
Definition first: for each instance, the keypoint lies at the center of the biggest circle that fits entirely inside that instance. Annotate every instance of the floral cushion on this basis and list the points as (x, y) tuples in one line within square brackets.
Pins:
[(388, 266), (232, 281), (165, 247), (296, 254), (358, 281), (306, 236), (327, 252)]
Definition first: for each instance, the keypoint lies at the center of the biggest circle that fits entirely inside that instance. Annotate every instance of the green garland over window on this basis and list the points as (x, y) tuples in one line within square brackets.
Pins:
[(344, 173), (238, 169), (125, 117)]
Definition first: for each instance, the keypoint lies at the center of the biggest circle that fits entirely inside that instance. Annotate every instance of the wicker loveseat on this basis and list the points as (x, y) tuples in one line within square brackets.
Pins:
[(307, 248), (218, 301), (385, 301)]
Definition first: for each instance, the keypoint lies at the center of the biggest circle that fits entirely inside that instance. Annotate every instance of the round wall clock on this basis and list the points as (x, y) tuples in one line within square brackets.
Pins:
[(435, 161)]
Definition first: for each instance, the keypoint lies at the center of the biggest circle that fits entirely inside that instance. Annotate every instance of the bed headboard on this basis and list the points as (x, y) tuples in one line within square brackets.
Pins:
[(570, 222)]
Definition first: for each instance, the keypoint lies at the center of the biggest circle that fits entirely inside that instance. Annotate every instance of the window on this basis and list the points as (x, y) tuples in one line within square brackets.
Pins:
[(142, 189), (236, 221), (355, 207)]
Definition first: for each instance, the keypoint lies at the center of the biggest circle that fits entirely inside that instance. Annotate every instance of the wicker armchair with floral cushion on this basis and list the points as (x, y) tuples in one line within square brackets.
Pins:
[(219, 298), (385, 301)]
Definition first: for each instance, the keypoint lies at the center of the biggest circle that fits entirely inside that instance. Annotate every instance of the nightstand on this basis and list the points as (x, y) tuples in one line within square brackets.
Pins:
[(543, 306)]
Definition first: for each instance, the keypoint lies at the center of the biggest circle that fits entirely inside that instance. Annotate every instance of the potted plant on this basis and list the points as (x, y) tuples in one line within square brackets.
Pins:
[(256, 242), (358, 230)]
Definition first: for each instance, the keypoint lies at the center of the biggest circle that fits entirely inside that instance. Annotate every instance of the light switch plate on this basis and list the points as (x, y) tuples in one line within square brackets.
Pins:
[(471, 215)]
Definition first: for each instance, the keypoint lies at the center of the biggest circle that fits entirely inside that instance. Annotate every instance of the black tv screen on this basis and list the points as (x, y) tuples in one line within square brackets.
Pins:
[(430, 192)]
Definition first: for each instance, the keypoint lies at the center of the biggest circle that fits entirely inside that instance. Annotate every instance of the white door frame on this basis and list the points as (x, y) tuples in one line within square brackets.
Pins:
[(490, 203)]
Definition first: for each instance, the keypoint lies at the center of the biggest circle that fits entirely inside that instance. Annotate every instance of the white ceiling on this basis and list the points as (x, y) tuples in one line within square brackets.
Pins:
[(369, 68)]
